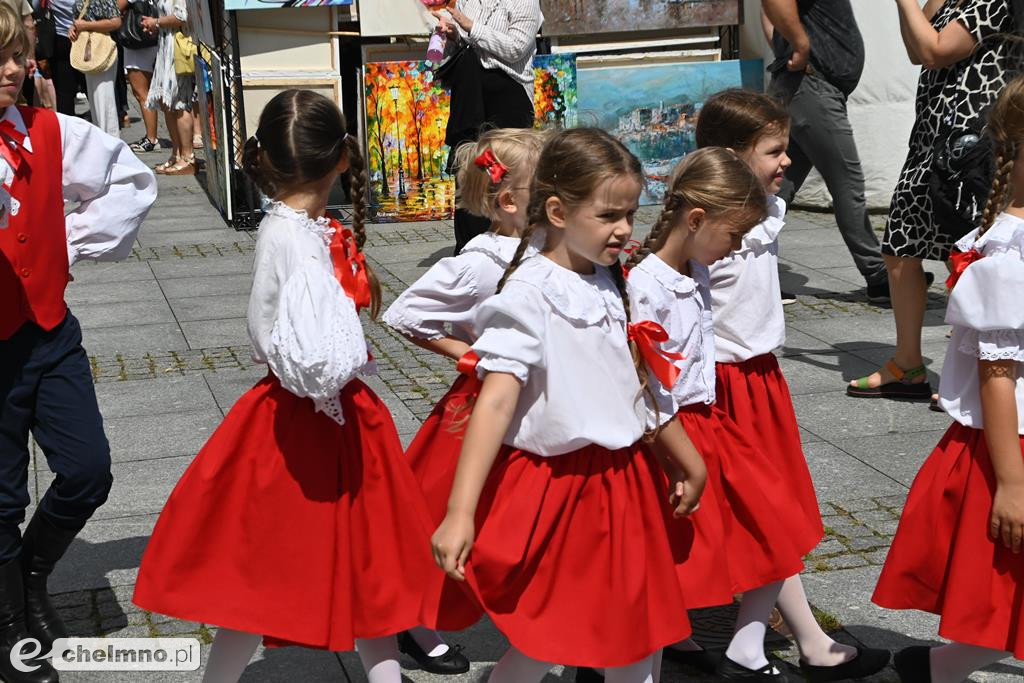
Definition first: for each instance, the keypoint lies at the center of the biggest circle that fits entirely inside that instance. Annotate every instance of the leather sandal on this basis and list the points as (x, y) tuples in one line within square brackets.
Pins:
[(162, 168), (183, 167), (903, 388)]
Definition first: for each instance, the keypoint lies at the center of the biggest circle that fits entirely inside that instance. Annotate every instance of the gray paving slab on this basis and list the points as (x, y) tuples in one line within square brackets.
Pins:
[(220, 306), (92, 272), (288, 664), (837, 476), (131, 338), (112, 292), (186, 237), (899, 456), (812, 257), (134, 398), (110, 314), (837, 416), (228, 387), (160, 435), (173, 268), (224, 332), (811, 373), (798, 342), (212, 285), (105, 553)]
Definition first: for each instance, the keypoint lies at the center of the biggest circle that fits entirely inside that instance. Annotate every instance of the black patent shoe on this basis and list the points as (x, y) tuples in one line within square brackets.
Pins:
[(914, 664), (731, 671), (584, 674), (699, 660), (867, 662), (450, 663)]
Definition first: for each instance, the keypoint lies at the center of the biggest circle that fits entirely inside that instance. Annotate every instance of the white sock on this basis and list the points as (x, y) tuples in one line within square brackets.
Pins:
[(954, 662), (380, 659), (816, 647), (229, 655), (747, 645), (429, 641), (515, 667), (637, 672)]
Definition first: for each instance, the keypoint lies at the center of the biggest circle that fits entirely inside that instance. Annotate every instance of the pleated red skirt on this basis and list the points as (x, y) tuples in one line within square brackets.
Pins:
[(289, 525), (943, 560), (756, 396), (572, 559), (741, 537)]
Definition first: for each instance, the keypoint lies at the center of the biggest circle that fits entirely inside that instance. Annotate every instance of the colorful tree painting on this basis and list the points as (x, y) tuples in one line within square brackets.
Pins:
[(406, 117), (554, 91)]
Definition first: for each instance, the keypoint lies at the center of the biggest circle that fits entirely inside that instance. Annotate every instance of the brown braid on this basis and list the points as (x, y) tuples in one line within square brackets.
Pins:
[(1005, 128), (517, 258), (357, 174), (997, 197), (656, 236)]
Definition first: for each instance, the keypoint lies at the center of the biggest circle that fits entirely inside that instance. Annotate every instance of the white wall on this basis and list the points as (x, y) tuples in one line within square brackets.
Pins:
[(882, 107)]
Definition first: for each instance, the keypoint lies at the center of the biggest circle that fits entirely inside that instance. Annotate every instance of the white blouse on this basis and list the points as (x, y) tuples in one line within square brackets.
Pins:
[(444, 301), (745, 293), (682, 305), (113, 190), (301, 322), (563, 335), (988, 319)]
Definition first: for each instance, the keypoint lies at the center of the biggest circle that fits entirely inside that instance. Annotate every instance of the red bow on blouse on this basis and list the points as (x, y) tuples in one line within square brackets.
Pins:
[(11, 144), (648, 336), (960, 261), (494, 168), (349, 265)]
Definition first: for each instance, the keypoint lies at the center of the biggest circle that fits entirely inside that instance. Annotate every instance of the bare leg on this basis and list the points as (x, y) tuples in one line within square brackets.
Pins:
[(171, 120), (954, 662), (184, 122), (747, 645), (229, 655), (379, 656), (139, 82), (515, 667), (816, 647)]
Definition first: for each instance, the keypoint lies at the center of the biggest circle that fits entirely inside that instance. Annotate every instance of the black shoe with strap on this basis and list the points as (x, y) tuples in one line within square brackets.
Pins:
[(12, 630), (450, 663), (701, 660), (867, 662), (729, 670), (41, 547)]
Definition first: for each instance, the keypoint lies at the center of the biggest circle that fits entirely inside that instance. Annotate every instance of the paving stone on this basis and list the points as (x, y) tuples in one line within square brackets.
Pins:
[(110, 315), (152, 338), (93, 272), (210, 285), (835, 416), (112, 293), (174, 395), (224, 332), (216, 307), (151, 437), (837, 476), (236, 262), (898, 456)]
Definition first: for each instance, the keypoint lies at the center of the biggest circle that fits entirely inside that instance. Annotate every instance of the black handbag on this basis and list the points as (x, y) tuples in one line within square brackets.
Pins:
[(963, 167), (131, 33), (46, 31), (443, 71)]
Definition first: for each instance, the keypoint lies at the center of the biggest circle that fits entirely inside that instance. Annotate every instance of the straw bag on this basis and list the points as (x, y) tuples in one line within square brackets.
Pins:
[(92, 52)]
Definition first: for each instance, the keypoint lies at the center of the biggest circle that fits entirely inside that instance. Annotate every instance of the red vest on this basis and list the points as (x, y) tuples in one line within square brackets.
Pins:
[(34, 245)]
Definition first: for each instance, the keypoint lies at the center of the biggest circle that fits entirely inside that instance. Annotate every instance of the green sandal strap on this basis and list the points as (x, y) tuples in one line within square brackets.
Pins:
[(898, 373)]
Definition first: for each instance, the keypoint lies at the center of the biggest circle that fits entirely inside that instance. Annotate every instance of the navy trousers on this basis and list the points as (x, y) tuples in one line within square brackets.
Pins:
[(46, 388)]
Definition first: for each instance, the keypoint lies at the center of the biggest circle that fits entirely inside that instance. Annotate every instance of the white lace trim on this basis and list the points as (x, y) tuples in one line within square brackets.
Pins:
[(993, 344), (1005, 235), (580, 299), (400, 321), (320, 226), (332, 408)]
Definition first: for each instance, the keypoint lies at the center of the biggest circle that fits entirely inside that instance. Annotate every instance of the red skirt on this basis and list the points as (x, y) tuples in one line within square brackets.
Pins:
[(942, 559), (572, 559), (741, 538), (755, 395), (289, 525)]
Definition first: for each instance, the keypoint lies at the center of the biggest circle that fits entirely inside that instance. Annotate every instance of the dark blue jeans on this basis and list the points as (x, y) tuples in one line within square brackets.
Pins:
[(46, 388)]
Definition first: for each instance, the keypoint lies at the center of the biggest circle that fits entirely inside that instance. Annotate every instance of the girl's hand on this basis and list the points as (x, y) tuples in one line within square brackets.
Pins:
[(685, 496), (451, 544), (1007, 523)]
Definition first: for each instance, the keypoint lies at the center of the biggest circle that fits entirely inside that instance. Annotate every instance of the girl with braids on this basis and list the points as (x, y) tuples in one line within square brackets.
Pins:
[(299, 522), (957, 550), (558, 522), (750, 389)]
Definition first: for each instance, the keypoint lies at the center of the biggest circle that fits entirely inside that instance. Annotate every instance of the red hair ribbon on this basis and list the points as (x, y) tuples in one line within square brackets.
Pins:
[(494, 168), (648, 336), (349, 265), (11, 151), (631, 247), (960, 260)]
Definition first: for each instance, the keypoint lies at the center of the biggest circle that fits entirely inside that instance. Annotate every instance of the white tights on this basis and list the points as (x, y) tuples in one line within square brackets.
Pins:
[(515, 667), (232, 651), (954, 662), (816, 647), (747, 645), (429, 640)]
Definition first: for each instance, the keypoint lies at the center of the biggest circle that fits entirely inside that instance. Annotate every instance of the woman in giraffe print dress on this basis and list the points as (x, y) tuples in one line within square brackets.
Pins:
[(966, 59)]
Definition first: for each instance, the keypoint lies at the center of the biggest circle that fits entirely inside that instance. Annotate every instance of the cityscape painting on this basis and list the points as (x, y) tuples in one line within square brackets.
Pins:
[(570, 17), (654, 109)]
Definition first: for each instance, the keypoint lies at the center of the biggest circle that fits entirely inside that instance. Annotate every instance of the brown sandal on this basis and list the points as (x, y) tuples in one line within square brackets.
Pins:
[(182, 168)]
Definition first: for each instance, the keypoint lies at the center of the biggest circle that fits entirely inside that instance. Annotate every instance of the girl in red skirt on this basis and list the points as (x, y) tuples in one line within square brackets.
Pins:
[(712, 203), (957, 549), (299, 521), (748, 325), (558, 520), (438, 313)]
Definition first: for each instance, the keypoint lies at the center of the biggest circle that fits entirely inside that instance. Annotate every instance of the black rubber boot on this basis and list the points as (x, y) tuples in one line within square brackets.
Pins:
[(42, 546), (12, 630)]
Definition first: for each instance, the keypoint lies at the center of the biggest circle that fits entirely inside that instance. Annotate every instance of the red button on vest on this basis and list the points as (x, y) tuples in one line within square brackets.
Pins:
[(33, 276)]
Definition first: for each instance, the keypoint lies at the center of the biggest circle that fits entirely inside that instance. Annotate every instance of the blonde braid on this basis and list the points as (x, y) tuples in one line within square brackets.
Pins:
[(997, 198)]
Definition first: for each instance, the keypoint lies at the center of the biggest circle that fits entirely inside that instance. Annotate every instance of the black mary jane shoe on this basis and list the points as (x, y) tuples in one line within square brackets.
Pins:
[(914, 664), (584, 674), (450, 663), (699, 660), (731, 671), (867, 662)]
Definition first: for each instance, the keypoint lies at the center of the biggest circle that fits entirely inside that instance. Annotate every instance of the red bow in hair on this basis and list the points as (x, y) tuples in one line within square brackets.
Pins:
[(648, 336), (494, 168), (11, 143), (960, 260), (349, 265), (631, 247)]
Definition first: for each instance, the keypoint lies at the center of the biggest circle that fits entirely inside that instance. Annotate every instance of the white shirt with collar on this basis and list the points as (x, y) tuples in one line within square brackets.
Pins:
[(112, 188), (445, 299), (563, 335), (301, 322), (745, 293), (987, 316), (682, 305)]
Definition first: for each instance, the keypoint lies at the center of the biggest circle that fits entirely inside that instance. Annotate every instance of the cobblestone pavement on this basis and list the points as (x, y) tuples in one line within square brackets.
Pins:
[(166, 335)]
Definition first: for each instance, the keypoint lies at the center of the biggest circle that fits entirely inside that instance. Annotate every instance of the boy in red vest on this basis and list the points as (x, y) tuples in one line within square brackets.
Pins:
[(45, 380)]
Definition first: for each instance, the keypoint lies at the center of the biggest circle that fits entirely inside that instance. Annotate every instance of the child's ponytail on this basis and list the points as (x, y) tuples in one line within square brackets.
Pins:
[(1006, 131), (357, 173)]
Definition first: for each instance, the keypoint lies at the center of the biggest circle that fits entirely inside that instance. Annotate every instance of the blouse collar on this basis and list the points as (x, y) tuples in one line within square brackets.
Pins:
[(671, 279), (1007, 232), (581, 299), (767, 231), (320, 226)]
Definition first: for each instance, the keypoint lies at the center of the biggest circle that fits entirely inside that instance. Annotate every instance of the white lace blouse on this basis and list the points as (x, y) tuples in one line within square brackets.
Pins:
[(745, 294), (987, 315), (301, 322), (681, 305), (444, 301), (563, 335)]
